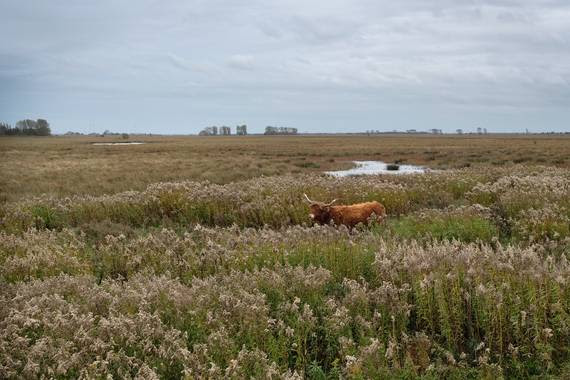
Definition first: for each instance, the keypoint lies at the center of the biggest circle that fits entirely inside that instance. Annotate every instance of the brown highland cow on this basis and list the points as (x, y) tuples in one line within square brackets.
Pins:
[(349, 215)]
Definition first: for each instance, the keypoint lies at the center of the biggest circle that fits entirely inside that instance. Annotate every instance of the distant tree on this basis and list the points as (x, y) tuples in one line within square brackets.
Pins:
[(6, 129), (241, 130), (125, 136), (28, 127), (42, 128), (269, 130), (459, 131)]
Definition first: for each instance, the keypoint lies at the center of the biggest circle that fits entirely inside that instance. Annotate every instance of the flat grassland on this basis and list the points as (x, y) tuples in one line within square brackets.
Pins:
[(194, 257), (64, 166)]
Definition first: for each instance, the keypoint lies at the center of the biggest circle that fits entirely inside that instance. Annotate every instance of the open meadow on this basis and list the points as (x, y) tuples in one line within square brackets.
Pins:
[(63, 166), (194, 257)]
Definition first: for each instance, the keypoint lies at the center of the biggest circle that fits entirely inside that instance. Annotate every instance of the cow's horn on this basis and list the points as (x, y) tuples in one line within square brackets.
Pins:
[(330, 203), (308, 200)]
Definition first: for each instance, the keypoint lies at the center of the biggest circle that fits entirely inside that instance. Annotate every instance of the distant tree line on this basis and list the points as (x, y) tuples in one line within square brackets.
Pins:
[(270, 130), (241, 130), (26, 127), (223, 130)]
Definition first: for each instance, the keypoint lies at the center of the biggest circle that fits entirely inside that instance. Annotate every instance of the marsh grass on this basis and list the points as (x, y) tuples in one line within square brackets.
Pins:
[(65, 166), (304, 300), (466, 278), (446, 228), (273, 201)]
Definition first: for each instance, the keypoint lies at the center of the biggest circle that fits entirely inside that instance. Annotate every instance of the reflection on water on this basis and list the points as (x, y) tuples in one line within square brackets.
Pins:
[(377, 167), (120, 143)]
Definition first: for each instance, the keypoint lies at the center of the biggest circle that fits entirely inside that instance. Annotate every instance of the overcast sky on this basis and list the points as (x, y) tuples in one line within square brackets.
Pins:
[(331, 65)]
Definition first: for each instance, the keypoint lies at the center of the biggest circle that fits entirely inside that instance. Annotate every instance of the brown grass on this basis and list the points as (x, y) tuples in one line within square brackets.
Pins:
[(72, 165), (466, 278)]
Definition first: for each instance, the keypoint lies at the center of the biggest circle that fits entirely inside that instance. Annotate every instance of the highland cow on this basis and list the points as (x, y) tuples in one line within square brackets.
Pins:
[(349, 215)]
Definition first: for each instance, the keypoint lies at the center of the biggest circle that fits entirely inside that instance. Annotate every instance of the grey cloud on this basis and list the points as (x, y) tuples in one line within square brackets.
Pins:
[(349, 63), (242, 62)]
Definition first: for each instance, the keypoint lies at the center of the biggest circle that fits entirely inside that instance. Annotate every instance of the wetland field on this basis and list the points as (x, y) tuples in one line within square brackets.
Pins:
[(195, 258)]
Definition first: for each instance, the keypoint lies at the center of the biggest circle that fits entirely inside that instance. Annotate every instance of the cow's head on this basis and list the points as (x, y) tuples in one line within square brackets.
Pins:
[(320, 212)]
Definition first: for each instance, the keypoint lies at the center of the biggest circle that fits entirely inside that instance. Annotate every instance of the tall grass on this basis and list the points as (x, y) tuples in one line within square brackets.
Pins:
[(67, 166), (467, 277), (304, 300)]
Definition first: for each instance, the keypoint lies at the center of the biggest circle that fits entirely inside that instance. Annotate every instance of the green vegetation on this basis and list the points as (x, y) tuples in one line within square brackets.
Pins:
[(26, 127), (446, 228), (66, 166), (466, 278)]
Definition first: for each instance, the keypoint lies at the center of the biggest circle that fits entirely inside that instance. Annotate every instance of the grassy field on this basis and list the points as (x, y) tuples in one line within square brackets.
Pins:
[(124, 261), (64, 166)]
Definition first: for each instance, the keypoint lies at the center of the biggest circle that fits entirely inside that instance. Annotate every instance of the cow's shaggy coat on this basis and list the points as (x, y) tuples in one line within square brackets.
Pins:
[(349, 215)]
